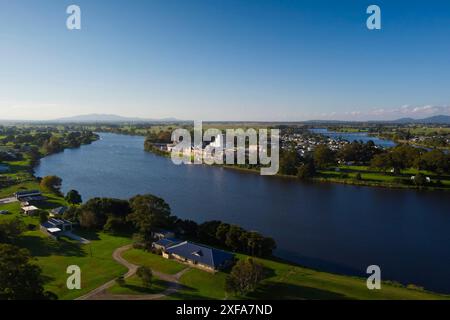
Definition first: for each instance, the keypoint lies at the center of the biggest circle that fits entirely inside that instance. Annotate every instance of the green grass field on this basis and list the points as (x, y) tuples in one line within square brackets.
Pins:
[(376, 178), (198, 284), (94, 259), (287, 281), (156, 262), (282, 281), (133, 286)]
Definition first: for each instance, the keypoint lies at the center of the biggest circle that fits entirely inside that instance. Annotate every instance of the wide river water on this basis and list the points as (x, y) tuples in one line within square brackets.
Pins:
[(330, 227)]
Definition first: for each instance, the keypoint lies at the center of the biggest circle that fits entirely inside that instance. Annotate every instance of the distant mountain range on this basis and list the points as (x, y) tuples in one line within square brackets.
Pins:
[(440, 119), (112, 118), (94, 117)]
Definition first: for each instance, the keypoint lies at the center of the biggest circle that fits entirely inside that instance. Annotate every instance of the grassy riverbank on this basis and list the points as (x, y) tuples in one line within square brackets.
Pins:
[(353, 175), (282, 281)]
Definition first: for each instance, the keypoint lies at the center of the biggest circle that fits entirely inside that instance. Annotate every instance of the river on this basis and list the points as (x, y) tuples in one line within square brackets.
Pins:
[(330, 227), (354, 136)]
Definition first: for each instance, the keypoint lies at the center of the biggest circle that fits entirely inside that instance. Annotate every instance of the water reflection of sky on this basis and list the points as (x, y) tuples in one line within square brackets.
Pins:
[(357, 136)]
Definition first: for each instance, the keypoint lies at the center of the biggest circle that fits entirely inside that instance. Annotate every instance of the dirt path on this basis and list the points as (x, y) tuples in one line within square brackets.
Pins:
[(101, 293)]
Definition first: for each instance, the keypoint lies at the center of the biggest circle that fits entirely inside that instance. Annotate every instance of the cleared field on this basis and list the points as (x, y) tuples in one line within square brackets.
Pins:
[(287, 281), (133, 286), (154, 261)]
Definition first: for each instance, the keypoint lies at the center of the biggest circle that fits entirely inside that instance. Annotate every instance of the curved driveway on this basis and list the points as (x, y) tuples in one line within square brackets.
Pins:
[(101, 293)]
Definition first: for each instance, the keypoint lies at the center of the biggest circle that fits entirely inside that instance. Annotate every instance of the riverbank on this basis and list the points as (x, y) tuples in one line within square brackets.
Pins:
[(350, 175), (283, 280), (20, 173), (302, 217)]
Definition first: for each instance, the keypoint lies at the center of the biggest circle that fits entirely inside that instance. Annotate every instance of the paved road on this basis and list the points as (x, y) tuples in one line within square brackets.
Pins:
[(8, 200), (101, 293)]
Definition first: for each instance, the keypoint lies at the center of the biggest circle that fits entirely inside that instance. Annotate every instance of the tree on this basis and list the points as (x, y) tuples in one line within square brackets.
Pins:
[(120, 281), (187, 228), (404, 156), (254, 243), (244, 277), (10, 230), (43, 216), (53, 145), (146, 276), (72, 214), (420, 179), (289, 160), (73, 197), (268, 246), (222, 231), (207, 232), (20, 279), (382, 162), (115, 224), (51, 184), (90, 220), (234, 238), (324, 156), (434, 160), (358, 151), (306, 171), (95, 212), (148, 213)]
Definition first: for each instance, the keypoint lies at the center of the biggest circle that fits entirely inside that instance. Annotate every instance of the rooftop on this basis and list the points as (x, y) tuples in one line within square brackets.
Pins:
[(54, 223), (201, 254), (27, 193), (167, 242), (29, 208)]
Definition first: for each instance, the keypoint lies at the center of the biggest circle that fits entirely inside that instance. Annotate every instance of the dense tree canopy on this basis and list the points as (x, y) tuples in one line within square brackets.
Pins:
[(358, 152), (289, 161), (148, 213), (51, 184), (434, 160), (95, 212), (10, 230), (73, 197), (306, 171), (324, 156), (20, 279)]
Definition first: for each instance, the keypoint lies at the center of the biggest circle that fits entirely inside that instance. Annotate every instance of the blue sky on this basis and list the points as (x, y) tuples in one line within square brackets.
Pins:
[(225, 59)]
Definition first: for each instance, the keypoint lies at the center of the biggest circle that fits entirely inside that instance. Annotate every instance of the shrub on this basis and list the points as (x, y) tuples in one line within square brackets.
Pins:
[(120, 281), (146, 276)]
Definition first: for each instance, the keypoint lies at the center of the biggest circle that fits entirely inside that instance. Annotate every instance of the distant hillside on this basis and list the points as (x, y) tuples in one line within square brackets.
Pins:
[(440, 119), (109, 118)]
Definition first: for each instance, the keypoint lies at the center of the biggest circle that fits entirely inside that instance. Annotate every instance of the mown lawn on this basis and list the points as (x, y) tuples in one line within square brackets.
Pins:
[(154, 261), (9, 191), (94, 259), (198, 284), (284, 281), (372, 177), (133, 286)]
